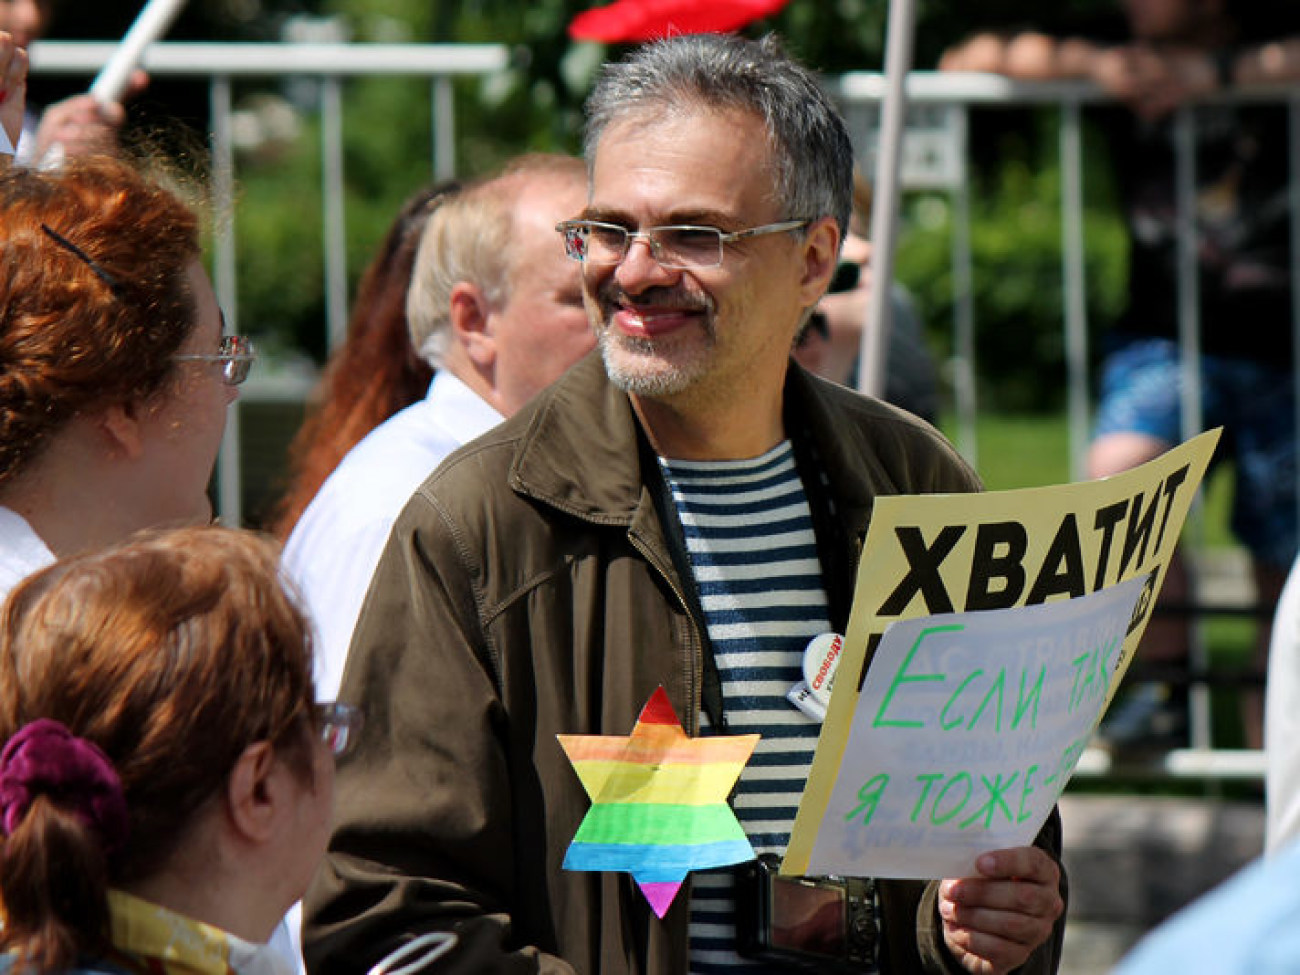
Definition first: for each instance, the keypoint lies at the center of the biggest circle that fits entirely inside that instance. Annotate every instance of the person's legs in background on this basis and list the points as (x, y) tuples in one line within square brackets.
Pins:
[(1138, 419), (1259, 406)]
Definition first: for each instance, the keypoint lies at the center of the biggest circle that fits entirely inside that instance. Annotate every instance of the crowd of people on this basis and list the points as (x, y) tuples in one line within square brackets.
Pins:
[(1153, 56), (577, 403)]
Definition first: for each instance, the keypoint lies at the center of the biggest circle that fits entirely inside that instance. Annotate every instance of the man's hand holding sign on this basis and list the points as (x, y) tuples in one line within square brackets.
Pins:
[(966, 751), (992, 922), (998, 627)]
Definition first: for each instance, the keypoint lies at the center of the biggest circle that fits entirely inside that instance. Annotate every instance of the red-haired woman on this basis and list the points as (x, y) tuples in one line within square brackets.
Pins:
[(166, 779), (114, 373)]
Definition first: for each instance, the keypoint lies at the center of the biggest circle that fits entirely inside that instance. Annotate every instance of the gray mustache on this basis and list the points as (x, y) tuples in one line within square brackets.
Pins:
[(655, 298)]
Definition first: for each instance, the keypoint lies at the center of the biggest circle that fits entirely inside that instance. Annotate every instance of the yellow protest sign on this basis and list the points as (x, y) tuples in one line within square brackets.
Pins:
[(939, 554)]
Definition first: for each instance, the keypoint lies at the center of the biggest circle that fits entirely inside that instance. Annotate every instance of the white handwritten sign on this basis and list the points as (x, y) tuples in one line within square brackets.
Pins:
[(967, 729), (938, 554)]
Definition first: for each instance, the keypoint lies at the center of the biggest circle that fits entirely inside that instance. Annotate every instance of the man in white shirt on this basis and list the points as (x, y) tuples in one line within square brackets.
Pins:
[(496, 308)]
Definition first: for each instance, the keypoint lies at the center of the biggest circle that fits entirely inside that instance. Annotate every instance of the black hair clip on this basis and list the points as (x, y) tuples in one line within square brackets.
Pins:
[(114, 285)]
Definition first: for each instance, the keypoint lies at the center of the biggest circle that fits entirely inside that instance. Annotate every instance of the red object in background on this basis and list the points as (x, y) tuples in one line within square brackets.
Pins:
[(648, 20)]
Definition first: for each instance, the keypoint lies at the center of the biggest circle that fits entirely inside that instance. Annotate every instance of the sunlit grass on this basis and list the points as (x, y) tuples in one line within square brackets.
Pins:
[(1032, 450), (1017, 451)]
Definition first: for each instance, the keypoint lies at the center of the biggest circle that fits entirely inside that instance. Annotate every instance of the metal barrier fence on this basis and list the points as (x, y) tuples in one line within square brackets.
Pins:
[(328, 65), (935, 154)]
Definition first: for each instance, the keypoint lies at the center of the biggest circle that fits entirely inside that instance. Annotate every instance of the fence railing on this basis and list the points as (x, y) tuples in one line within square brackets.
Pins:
[(328, 65), (935, 154), (936, 160), (936, 151)]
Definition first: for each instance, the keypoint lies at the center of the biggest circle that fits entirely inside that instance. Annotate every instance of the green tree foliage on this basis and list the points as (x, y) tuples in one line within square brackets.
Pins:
[(386, 156), (536, 105)]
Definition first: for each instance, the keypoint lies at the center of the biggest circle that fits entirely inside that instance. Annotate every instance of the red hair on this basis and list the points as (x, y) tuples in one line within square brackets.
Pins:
[(374, 374), (93, 295), (172, 652)]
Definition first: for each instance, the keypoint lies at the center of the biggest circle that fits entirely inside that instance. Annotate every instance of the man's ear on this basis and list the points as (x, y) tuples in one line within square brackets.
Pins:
[(471, 324), (120, 424), (254, 792), (821, 249)]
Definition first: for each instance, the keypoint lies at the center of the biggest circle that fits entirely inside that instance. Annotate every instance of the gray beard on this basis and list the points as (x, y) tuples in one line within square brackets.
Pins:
[(656, 385)]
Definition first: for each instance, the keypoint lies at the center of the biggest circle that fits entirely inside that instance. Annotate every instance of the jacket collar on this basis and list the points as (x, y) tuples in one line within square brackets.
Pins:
[(579, 452), (829, 445)]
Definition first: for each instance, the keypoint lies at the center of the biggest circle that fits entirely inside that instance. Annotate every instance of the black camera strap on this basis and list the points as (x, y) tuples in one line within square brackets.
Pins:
[(652, 475)]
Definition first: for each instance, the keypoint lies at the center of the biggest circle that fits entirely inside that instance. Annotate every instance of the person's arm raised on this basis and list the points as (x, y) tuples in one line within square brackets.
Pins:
[(13, 96)]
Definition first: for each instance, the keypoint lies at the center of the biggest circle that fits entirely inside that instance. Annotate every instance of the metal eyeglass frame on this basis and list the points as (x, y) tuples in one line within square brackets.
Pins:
[(574, 249)]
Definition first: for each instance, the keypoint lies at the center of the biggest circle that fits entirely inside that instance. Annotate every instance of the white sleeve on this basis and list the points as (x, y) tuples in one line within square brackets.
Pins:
[(1282, 721)]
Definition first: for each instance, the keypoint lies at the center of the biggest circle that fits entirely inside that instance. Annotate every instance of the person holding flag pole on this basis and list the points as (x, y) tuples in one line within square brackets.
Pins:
[(115, 80), (86, 123), (13, 96)]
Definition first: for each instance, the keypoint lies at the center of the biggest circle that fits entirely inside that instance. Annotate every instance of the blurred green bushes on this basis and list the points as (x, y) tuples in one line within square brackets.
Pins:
[(1017, 271), (536, 105), (278, 229)]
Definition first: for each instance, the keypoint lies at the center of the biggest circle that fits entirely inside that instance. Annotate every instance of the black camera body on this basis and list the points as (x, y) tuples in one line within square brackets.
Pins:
[(826, 924)]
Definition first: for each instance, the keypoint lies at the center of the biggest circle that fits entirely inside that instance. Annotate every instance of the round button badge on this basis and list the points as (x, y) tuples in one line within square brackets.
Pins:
[(821, 657)]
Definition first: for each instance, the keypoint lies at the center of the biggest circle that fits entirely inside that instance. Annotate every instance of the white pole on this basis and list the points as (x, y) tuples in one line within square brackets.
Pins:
[(154, 20), (110, 84), (884, 217), (1074, 271), (333, 210)]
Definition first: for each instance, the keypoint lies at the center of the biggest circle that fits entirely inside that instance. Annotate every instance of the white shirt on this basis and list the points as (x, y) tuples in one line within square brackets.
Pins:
[(335, 547), (21, 550), (27, 139), (1282, 721)]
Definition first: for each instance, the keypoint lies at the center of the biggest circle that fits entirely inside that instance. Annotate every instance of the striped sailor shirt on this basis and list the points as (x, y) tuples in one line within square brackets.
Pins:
[(749, 535)]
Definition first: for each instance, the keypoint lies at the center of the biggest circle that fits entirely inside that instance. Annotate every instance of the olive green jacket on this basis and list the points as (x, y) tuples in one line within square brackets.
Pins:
[(528, 590)]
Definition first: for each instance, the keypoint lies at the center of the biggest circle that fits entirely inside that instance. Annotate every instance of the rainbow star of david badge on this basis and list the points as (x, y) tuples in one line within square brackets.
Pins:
[(659, 802)]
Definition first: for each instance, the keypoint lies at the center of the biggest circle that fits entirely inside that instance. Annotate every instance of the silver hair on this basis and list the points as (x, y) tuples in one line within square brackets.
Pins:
[(470, 237), (459, 243), (810, 143)]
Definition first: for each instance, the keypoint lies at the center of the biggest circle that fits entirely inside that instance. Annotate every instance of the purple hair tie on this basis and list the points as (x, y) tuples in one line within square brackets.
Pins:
[(45, 759)]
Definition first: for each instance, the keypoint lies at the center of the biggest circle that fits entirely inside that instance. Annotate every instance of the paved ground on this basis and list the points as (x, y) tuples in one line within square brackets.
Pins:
[(1133, 861)]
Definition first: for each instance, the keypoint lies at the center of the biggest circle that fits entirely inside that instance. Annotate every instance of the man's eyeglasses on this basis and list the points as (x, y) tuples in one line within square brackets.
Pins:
[(235, 354), (678, 246), (337, 724)]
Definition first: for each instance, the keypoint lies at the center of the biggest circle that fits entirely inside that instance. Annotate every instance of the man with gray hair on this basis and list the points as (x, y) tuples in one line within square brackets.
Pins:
[(496, 310), (682, 512)]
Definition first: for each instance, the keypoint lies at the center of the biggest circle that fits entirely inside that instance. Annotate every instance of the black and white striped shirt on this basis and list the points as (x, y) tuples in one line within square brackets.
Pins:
[(749, 535)]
